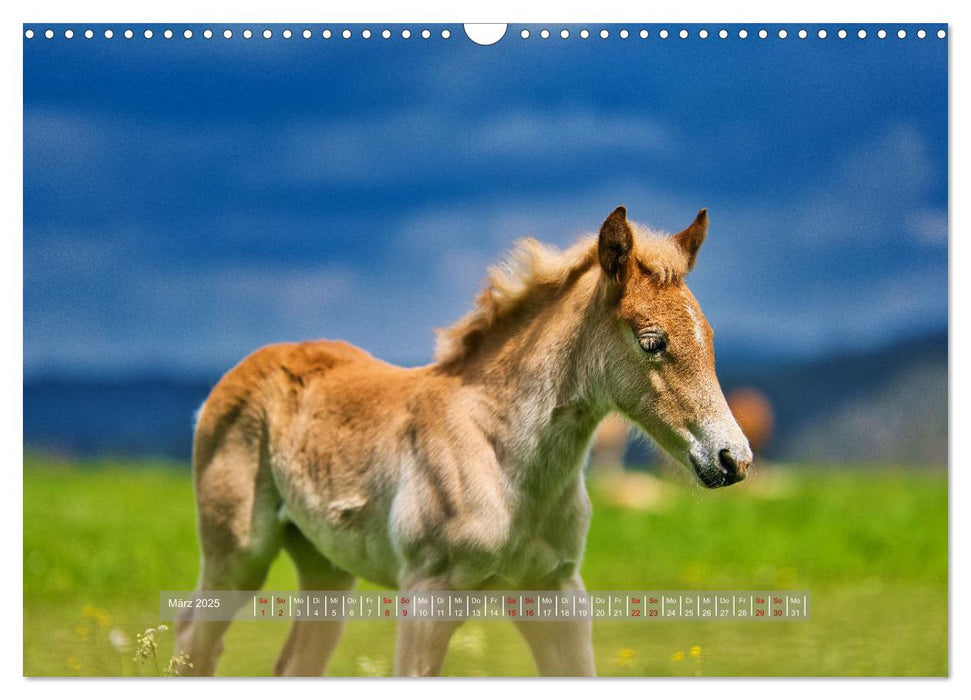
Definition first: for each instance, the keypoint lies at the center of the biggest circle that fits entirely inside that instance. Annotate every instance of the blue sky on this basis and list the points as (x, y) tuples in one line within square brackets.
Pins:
[(188, 201)]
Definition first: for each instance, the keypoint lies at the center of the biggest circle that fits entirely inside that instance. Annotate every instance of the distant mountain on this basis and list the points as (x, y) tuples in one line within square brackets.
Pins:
[(887, 405), (146, 416)]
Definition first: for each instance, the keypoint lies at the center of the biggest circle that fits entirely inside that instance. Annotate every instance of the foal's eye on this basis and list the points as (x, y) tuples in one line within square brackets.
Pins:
[(653, 342)]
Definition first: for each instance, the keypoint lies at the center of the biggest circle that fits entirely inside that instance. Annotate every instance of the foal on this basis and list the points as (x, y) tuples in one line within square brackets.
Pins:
[(467, 473)]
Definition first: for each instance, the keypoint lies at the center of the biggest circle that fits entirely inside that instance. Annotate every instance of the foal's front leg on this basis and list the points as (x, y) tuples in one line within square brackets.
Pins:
[(561, 648), (421, 644)]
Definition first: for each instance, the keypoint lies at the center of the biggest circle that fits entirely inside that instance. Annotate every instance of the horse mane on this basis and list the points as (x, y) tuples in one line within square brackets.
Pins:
[(531, 266)]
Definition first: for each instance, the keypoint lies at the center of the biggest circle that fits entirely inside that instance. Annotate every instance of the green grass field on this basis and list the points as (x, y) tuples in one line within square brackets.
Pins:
[(101, 540)]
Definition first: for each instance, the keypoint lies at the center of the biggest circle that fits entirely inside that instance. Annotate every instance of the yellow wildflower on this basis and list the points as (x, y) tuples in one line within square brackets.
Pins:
[(677, 656), (695, 652)]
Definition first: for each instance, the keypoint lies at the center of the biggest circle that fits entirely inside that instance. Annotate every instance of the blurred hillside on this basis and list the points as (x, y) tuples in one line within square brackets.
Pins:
[(886, 405)]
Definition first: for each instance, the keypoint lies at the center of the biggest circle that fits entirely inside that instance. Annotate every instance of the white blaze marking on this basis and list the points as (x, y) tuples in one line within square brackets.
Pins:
[(697, 323)]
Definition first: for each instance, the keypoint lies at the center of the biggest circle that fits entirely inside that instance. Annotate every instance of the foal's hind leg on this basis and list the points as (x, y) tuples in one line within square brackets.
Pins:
[(202, 639), (239, 534), (311, 642)]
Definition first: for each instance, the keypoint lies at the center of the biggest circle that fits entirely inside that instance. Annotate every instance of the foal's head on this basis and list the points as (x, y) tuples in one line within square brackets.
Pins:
[(659, 358)]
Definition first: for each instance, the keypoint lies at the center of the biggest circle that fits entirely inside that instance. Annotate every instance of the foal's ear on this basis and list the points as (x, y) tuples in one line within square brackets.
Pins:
[(615, 243), (691, 238)]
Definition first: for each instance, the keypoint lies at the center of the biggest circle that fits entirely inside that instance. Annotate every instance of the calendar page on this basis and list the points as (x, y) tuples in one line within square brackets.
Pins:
[(409, 349)]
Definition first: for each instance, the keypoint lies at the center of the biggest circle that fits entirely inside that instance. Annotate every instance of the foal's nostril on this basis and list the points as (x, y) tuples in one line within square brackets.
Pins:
[(735, 469), (727, 462)]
